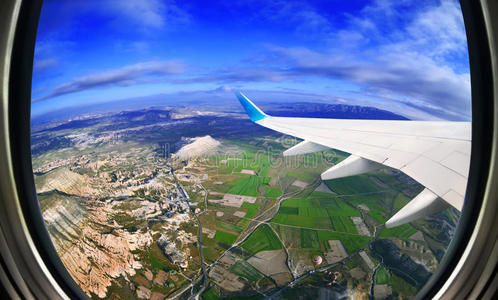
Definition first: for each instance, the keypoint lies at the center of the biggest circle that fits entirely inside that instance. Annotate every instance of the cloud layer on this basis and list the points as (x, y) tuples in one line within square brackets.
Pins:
[(125, 76)]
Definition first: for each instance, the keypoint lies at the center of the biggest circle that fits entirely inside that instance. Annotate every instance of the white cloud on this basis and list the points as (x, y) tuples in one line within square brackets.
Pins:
[(44, 64), (303, 17), (127, 75), (150, 13), (410, 60), (440, 29)]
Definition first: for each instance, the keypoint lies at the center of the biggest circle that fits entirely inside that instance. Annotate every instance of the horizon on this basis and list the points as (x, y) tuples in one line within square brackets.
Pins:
[(113, 107)]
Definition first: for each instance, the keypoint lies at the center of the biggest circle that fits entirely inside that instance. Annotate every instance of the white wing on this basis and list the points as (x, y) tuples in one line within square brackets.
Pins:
[(436, 154)]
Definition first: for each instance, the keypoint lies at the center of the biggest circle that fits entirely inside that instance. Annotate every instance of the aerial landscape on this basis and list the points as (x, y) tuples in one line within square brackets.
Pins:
[(125, 196), (154, 183)]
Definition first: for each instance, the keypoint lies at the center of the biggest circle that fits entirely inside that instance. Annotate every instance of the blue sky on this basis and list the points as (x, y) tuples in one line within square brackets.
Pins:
[(409, 57)]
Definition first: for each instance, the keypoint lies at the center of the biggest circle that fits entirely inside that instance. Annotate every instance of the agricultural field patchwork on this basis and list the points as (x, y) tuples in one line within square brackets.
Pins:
[(266, 220)]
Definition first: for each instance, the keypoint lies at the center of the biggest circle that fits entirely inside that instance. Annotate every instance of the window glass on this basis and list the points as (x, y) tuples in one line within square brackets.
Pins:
[(143, 155)]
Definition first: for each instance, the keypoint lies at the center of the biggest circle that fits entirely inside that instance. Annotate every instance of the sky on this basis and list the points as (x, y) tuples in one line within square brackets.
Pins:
[(408, 57)]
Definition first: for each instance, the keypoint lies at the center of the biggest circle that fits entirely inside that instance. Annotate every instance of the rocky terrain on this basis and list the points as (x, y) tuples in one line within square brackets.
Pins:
[(105, 206), (197, 147)]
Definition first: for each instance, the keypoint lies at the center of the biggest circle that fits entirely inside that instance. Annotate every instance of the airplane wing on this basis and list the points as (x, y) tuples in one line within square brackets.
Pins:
[(436, 154)]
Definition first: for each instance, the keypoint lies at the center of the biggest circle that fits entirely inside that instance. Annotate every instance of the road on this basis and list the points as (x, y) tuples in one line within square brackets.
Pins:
[(192, 210)]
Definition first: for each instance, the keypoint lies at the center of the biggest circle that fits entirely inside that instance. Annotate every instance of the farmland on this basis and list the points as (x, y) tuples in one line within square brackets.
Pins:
[(244, 269), (229, 227), (351, 243), (262, 239), (318, 211), (273, 193), (403, 231), (343, 224), (306, 221), (382, 277), (247, 186), (309, 239), (224, 237)]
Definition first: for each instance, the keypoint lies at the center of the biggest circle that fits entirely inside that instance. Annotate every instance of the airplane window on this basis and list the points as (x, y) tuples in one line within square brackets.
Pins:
[(251, 150)]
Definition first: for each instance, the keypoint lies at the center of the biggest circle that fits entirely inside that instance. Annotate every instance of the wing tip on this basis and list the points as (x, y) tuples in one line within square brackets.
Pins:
[(254, 113)]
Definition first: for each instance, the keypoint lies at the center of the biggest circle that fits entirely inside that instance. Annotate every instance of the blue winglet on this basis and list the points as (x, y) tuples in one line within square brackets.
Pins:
[(254, 113)]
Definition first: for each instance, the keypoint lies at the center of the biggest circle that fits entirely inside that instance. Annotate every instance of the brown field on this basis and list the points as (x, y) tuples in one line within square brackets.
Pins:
[(234, 200), (269, 262), (324, 188), (300, 184), (301, 260), (210, 233), (226, 280), (336, 252), (282, 279), (239, 214), (360, 226), (367, 259), (382, 291), (249, 172), (357, 273), (418, 236)]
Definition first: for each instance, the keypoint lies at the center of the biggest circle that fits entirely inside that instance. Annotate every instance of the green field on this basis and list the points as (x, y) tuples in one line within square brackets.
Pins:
[(229, 227), (244, 269), (400, 201), (353, 262), (244, 161), (382, 277), (225, 237), (273, 193), (247, 186), (362, 190), (351, 243), (353, 185), (297, 202), (252, 209), (289, 210), (333, 205), (402, 287), (261, 239), (301, 221), (338, 207), (158, 260), (210, 294), (403, 231), (377, 216), (343, 224), (309, 239), (313, 212), (263, 170), (318, 211), (156, 264)]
